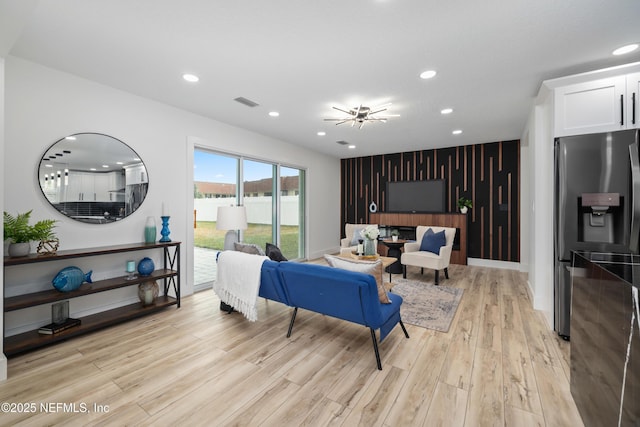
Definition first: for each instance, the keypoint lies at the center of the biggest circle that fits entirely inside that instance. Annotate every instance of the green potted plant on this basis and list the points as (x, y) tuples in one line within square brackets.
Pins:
[(394, 235), (20, 234), (464, 204)]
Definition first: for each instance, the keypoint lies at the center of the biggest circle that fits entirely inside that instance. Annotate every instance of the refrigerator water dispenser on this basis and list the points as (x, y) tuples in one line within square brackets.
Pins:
[(600, 214)]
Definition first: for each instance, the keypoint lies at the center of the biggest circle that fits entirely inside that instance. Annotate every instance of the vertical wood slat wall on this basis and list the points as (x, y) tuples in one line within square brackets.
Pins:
[(488, 174)]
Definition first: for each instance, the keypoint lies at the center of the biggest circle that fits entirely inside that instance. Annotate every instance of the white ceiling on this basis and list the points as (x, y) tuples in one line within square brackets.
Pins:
[(300, 58)]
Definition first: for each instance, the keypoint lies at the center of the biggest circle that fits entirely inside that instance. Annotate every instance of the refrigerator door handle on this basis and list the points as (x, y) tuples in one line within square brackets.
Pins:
[(635, 197)]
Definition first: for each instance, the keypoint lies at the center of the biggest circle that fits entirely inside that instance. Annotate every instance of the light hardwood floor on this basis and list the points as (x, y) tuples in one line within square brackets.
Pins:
[(498, 365)]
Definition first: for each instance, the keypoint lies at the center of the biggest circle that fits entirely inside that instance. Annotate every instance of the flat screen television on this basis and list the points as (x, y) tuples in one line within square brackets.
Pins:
[(416, 196)]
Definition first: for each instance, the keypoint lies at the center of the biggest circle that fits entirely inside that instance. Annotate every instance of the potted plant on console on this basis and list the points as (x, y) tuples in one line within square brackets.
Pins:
[(464, 205), (20, 234)]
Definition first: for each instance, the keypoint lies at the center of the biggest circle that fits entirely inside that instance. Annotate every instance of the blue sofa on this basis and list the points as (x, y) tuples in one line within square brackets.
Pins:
[(333, 292)]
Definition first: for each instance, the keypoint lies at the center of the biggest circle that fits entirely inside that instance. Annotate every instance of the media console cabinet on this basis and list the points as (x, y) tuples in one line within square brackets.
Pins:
[(453, 220), (30, 340)]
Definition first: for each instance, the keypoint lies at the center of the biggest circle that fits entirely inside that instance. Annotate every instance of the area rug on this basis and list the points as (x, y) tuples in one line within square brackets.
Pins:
[(427, 305)]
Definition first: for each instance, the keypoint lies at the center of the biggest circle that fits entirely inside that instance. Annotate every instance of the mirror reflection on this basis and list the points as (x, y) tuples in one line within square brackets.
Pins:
[(93, 178)]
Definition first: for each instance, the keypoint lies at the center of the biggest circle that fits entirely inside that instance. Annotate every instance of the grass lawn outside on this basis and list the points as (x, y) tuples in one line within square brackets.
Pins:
[(206, 236)]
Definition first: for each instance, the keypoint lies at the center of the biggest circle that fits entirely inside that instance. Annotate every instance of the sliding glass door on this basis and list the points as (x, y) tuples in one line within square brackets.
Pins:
[(291, 212), (272, 194), (258, 190)]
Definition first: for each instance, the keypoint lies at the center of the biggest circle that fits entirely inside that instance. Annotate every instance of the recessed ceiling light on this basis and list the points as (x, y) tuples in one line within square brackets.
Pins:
[(457, 132), (274, 113), (92, 169), (192, 78), (321, 133), (427, 74), (446, 111), (352, 147), (105, 166), (70, 138), (625, 49)]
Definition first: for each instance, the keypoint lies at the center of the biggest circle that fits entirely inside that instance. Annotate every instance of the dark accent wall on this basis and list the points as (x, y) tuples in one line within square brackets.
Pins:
[(488, 174)]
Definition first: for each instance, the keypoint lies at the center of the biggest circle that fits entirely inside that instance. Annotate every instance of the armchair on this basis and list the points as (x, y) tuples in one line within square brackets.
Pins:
[(349, 243), (413, 256)]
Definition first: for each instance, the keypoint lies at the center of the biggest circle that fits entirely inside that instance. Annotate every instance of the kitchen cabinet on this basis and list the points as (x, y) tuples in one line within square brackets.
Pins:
[(92, 187), (81, 187), (603, 105), (168, 274), (136, 174)]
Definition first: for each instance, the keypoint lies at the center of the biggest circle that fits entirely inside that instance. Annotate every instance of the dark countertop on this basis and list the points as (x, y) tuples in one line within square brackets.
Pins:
[(624, 266)]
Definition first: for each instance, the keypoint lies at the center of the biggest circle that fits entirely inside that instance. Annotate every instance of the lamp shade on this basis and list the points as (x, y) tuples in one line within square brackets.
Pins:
[(231, 218)]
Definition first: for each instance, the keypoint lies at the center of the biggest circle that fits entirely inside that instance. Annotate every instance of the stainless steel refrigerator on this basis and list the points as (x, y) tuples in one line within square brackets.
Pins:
[(597, 204)]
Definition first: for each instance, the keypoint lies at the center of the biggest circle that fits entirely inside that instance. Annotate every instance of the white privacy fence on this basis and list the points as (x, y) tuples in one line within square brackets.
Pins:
[(258, 209)]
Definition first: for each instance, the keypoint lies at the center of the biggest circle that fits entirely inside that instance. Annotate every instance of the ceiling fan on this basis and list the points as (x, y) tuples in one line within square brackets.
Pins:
[(362, 114)]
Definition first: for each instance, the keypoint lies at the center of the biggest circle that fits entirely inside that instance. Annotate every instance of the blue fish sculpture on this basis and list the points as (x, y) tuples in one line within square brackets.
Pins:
[(70, 278)]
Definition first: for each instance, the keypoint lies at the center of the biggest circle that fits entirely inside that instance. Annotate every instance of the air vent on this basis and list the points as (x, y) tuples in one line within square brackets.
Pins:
[(247, 102), (342, 142)]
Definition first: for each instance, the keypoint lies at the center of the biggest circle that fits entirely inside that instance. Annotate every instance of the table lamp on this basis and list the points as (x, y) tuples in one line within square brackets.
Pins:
[(231, 218)]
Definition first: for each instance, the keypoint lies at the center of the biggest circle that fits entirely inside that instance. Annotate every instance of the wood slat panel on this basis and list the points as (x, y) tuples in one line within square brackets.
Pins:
[(488, 174)]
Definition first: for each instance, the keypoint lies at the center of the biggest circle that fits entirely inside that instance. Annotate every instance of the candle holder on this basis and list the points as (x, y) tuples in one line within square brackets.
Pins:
[(131, 270), (148, 292), (165, 229)]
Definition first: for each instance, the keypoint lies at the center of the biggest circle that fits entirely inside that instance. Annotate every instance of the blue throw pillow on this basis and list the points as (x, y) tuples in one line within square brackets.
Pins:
[(432, 242)]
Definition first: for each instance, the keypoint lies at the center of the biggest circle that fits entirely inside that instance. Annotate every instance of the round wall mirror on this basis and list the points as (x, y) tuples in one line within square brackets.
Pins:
[(93, 178)]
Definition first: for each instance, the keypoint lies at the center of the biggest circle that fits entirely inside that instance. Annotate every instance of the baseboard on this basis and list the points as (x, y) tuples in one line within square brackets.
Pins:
[(3, 367), (492, 263)]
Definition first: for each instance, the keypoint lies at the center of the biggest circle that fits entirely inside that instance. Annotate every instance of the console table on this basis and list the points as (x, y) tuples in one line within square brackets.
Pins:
[(169, 274), (453, 220)]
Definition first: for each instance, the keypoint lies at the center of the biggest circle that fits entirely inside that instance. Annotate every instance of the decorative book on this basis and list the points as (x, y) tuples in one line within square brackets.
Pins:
[(53, 328)]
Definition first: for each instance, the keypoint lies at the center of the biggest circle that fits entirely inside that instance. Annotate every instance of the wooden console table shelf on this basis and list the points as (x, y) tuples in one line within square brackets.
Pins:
[(454, 220), (30, 340)]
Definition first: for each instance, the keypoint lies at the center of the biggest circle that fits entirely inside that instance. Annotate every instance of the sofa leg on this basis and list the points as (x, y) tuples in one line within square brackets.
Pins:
[(437, 277), (446, 272), (375, 348), (406, 334), (293, 319), (404, 271)]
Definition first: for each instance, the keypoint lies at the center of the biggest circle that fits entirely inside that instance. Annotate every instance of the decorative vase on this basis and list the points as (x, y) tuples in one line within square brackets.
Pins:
[(165, 229), (48, 247), (19, 249), (464, 209), (150, 230), (370, 247), (148, 292), (146, 266)]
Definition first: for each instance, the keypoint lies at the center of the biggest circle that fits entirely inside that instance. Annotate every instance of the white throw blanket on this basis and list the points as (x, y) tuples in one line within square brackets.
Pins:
[(238, 281)]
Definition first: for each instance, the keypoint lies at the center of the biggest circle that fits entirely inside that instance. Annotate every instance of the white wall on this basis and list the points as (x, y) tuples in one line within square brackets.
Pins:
[(43, 105), (3, 359), (540, 204)]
